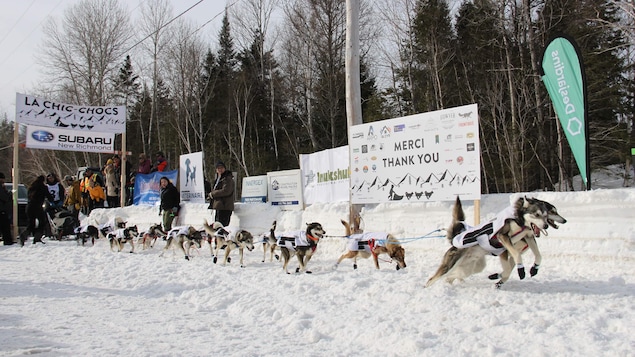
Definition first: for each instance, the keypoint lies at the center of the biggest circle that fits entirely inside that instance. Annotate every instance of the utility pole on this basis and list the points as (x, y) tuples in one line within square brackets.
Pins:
[(353, 90)]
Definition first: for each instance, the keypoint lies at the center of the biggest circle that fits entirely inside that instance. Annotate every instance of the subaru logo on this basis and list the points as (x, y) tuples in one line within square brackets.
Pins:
[(42, 136)]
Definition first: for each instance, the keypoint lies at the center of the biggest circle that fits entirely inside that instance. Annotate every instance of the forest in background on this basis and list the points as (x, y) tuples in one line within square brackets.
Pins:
[(272, 84)]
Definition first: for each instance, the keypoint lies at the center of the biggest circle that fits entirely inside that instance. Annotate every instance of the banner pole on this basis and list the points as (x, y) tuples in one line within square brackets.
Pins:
[(15, 176)]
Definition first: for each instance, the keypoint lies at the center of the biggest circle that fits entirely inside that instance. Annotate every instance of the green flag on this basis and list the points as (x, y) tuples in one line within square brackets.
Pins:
[(564, 79)]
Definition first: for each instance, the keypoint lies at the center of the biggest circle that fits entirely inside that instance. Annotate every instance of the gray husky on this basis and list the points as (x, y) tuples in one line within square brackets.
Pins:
[(506, 237)]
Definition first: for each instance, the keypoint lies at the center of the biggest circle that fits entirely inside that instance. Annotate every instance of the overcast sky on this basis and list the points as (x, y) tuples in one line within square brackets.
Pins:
[(21, 35)]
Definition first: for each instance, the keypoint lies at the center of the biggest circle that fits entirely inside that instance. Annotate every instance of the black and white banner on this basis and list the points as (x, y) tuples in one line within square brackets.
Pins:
[(38, 137), (31, 110), (432, 156)]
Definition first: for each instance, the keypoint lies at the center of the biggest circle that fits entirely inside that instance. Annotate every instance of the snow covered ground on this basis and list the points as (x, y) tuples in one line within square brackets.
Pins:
[(61, 299)]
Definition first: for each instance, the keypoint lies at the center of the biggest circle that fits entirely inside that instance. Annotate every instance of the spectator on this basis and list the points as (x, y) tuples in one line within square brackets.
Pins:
[(112, 184), (6, 212), (170, 202), (145, 165), (73, 200), (38, 193), (96, 190), (222, 194), (56, 189), (84, 188), (161, 164)]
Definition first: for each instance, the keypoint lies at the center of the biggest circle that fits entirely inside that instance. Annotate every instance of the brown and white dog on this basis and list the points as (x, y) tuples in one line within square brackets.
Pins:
[(183, 238), (302, 244), (373, 243), (229, 238), (119, 237), (148, 237), (526, 219)]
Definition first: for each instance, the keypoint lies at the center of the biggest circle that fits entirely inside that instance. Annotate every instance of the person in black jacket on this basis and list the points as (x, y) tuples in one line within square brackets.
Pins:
[(38, 193), (222, 194), (6, 212), (170, 202)]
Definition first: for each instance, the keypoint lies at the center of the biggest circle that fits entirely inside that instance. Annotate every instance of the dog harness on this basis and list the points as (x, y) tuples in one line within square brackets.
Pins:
[(484, 234), (177, 231), (366, 241), (293, 239), (118, 234), (81, 229)]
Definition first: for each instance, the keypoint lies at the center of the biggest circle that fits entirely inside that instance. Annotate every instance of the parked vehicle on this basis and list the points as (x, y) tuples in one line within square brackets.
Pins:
[(23, 199)]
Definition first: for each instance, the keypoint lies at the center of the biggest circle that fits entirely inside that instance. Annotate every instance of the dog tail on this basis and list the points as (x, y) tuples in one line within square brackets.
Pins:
[(347, 227), (272, 234), (458, 216)]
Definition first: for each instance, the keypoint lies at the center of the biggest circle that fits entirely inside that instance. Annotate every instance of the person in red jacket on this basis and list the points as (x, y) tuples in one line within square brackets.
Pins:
[(161, 164)]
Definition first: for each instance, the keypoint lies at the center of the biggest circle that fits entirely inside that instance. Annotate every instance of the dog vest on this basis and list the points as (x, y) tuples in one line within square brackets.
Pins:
[(366, 241), (229, 233), (292, 239), (81, 229), (177, 231), (484, 234), (118, 234)]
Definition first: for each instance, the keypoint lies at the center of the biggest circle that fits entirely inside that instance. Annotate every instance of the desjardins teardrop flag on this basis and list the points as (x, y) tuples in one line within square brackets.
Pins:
[(565, 82)]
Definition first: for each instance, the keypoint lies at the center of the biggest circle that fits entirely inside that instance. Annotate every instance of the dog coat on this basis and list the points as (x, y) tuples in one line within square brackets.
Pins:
[(81, 229), (229, 233), (118, 234), (485, 233), (177, 231), (292, 239), (366, 241)]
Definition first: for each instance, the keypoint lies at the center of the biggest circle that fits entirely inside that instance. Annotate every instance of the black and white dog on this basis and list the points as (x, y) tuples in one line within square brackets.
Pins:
[(229, 238), (269, 244), (119, 237), (299, 243), (183, 238), (522, 221), (84, 233)]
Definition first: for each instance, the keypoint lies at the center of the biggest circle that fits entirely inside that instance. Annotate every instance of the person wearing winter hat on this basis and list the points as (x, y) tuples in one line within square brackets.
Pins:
[(222, 195), (170, 202), (73, 198), (6, 212)]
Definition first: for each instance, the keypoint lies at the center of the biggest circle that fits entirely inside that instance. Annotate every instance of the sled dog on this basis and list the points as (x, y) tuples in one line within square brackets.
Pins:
[(527, 217), (229, 238), (269, 245), (373, 243), (119, 237), (84, 233), (302, 244), (183, 238), (148, 237)]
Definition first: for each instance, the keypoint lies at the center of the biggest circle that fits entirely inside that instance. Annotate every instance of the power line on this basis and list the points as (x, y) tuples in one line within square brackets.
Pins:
[(163, 26), (17, 21)]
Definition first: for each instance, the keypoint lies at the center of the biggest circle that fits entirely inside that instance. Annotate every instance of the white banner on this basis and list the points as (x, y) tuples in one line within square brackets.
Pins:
[(38, 137), (191, 180), (254, 189), (325, 175), (285, 189), (431, 156), (37, 111)]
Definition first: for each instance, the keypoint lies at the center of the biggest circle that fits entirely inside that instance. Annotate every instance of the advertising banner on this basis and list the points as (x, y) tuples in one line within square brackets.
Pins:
[(254, 189), (431, 156), (38, 137), (565, 82), (192, 182), (285, 189), (32, 110), (326, 175), (147, 189)]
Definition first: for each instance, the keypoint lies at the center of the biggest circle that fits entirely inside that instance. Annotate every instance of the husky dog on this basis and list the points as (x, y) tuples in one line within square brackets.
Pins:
[(183, 238), (528, 216), (229, 238), (300, 243), (269, 244), (148, 237), (112, 225), (84, 233), (119, 237), (528, 240), (374, 243)]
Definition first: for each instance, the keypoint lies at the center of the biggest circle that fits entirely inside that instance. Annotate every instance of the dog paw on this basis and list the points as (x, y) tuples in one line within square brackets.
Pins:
[(398, 267), (297, 270), (215, 259), (534, 270), (187, 258), (521, 273), (277, 257), (494, 276), (499, 284), (309, 272), (355, 266)]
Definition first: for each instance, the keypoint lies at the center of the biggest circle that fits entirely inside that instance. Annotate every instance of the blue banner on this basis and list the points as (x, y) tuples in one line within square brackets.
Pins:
[(147, 189)]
